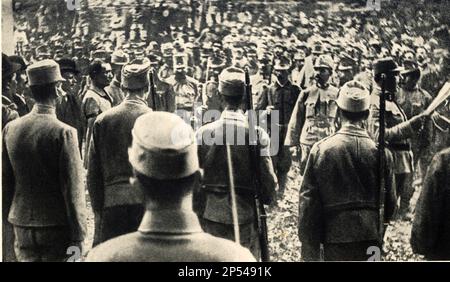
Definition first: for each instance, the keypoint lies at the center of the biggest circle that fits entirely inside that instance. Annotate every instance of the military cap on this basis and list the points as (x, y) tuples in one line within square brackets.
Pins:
[(42, 50), (324, 61), (282, 63), (44, 72), (385, 65), (317, 48), (68, 65), (353, 97), (166, 149), (180, 60), (99, 54), (135, 74), (299, 55), (167, 49), (119, 57), (231, 82), (18, 60), (8, 66)]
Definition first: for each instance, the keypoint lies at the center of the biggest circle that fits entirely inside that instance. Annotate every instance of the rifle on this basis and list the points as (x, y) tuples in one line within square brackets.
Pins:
[(382, 160), (260, 212), (152, 89)]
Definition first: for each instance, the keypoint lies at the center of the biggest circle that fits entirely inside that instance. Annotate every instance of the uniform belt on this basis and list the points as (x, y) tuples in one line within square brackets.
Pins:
[(399, 147)]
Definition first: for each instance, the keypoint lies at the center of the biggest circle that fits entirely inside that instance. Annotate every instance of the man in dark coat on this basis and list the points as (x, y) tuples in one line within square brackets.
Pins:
[(214, 200), (43, 191), (166, 170), (339, 204), (431, 227), (109, 171)]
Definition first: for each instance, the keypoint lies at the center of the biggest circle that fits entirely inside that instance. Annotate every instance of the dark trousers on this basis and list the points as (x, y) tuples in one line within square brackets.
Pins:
[(405, 191), (247, 232), (8, 254), (41, 244), (355, 251), (115, 221)]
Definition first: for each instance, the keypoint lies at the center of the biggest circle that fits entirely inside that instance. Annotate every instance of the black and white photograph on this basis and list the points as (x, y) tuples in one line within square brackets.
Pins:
[(225, 131)]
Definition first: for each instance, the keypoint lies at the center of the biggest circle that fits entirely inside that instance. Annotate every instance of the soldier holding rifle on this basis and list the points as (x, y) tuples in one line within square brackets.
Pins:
[(214, 200)]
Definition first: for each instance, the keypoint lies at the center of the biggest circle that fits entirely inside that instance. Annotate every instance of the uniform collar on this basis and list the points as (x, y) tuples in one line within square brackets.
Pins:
[(43, 109), (170, 221), (99, 91), (233, 115), (135, 100), (278, 84), (350, 129)]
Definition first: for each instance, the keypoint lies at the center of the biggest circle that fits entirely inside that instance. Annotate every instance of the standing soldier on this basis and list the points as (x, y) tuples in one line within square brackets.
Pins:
[(431, 226), (166, 170), (163, 99), (9, 108), (214, 199), (96, 100), (118, 60), (42, 184), (315, 113), (109, 171), (299, 59), (399, 129), (182, 87), (68, 104), (281, 96), (414, 100), (339, 196)]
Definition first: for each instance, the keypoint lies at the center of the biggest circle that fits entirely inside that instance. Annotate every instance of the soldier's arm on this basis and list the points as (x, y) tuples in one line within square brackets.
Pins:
[(269, 182), (8, 181), (94, 180), (399, 132), (262, 101), (428, 215), (310, 218), (296, 121), (70, 177)]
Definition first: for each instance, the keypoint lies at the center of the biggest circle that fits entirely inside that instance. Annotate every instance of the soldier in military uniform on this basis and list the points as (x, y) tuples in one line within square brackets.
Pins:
[(281, 97), (339, 196), (112, 196), (183, 88), (68, 104), (213, 202), (399, 129), (167, 172), (43, 193), (9, 108), (315, 113), (414, 100), (210, 93), (118, 60), (96, 100)]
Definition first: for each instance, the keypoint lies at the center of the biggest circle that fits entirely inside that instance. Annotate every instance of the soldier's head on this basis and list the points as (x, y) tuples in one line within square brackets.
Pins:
[(323, 66), (100, 73), (135, 78), (43, 77), (69, 72), (281, 69), (118, 60), (353, 102), (164, 160), (232, 87), (9, 68), (180, 63), (409, 77), (386, 72)]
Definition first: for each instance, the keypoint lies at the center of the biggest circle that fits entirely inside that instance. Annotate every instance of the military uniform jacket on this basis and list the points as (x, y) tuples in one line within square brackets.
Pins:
[(42, 182), (114, 91), (215, 193), (184, 91), (431, 226), (169, 235), (339, 192), (398, 131), (95, 102), (413, 103), (109, 171), (282, 97), (165, 101), (314, 116)]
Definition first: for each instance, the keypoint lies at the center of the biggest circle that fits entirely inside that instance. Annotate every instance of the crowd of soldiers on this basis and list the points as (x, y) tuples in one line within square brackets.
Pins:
[(111, 102)]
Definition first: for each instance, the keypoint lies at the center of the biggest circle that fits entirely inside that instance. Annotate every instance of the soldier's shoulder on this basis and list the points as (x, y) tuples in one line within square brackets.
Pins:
[(325, 144), (224, 250), (116, 249)]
